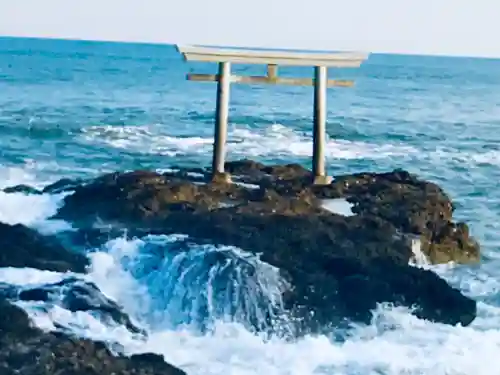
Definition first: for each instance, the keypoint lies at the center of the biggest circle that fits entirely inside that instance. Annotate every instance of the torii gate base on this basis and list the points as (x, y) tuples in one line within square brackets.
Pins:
[(225, 57)]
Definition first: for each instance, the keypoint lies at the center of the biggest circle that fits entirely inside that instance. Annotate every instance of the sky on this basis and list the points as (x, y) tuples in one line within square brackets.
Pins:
[(443, 27)]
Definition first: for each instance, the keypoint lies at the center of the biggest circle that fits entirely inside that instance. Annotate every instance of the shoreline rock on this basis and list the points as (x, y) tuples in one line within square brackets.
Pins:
[(21, 246), (74, 295), (413, 207), (30, 351), (274, 211), (339, 265)]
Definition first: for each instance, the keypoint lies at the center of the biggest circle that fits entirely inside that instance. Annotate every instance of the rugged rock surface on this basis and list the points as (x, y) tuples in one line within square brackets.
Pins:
[(24, 247), (25, 189), (339, 266), (77, 295), (395, 202), (29, 351)]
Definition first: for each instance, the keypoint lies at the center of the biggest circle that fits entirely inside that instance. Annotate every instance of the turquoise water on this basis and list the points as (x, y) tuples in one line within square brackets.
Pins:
[(72, 108)]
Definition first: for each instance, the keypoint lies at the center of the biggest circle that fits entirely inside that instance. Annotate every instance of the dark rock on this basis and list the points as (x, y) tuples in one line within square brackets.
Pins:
[(62, 186), (141, 195), (8, 291), (29, 351), (24, 247), (14, 322), (324, 255), (37, 294), (248, 167), (77, 295), (244, 167), (25, 189), (407, 286), (411, 206), (346, 288)]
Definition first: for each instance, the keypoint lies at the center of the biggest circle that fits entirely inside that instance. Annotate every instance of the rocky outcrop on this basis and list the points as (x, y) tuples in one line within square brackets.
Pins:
[(29, 351), (24, 247), (412, 206), (339, 266), (75, 295), (396, 202)]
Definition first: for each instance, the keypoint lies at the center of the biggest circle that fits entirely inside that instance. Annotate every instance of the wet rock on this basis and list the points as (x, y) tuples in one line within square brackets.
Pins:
[(412, 206), (25, 189), (143, 196), (14, 322), (361, 287), (77, 295), (284, 220), (244, 167), (21, 246), (29, 351), (61, 186), (441, 244), (248, 167), (8, 291)]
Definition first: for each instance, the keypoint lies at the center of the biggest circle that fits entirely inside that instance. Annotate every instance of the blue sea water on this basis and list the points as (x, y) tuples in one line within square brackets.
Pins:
[(77, 109)]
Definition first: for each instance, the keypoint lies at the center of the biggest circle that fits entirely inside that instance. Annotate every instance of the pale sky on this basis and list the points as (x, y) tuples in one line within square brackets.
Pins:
[(446, 27)]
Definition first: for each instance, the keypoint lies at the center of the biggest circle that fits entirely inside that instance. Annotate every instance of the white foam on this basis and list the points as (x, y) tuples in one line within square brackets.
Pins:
[(246, 185), (180, 287), (10, 176), (195, 174), (30, 276), (275, 141), (116, 283), (227, 204), (338, 206), (415, 347), (81, 323), (460, 157), (167, 170), (29, 210), (39, 174), (144, 139), (32, 211), (419, 258)]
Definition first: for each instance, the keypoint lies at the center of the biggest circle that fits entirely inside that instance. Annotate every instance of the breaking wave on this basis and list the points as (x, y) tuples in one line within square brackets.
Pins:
[(275, 140)]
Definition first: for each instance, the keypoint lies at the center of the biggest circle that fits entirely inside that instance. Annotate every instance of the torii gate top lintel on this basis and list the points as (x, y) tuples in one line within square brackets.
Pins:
[(272, 58)]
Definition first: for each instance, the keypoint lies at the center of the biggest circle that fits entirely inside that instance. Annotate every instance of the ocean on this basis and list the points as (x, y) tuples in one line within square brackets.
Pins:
[(80, 109)]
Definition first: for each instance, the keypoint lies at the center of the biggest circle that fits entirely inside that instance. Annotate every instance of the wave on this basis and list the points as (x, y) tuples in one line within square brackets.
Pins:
[(182, 284), (278, 141), (275, 141)]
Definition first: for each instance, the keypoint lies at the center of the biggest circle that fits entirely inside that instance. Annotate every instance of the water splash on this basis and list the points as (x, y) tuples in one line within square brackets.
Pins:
[(179, 284), (419, 259)]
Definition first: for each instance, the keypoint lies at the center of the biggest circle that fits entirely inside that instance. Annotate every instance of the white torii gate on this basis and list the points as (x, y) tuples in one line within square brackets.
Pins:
[(225, 57)]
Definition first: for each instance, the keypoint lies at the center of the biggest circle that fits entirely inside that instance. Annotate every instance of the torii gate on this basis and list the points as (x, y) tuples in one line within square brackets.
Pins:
[(225, 57)]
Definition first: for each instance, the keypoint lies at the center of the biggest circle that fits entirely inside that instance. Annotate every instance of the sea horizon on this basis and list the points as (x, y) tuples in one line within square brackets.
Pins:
[(254, 46)]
